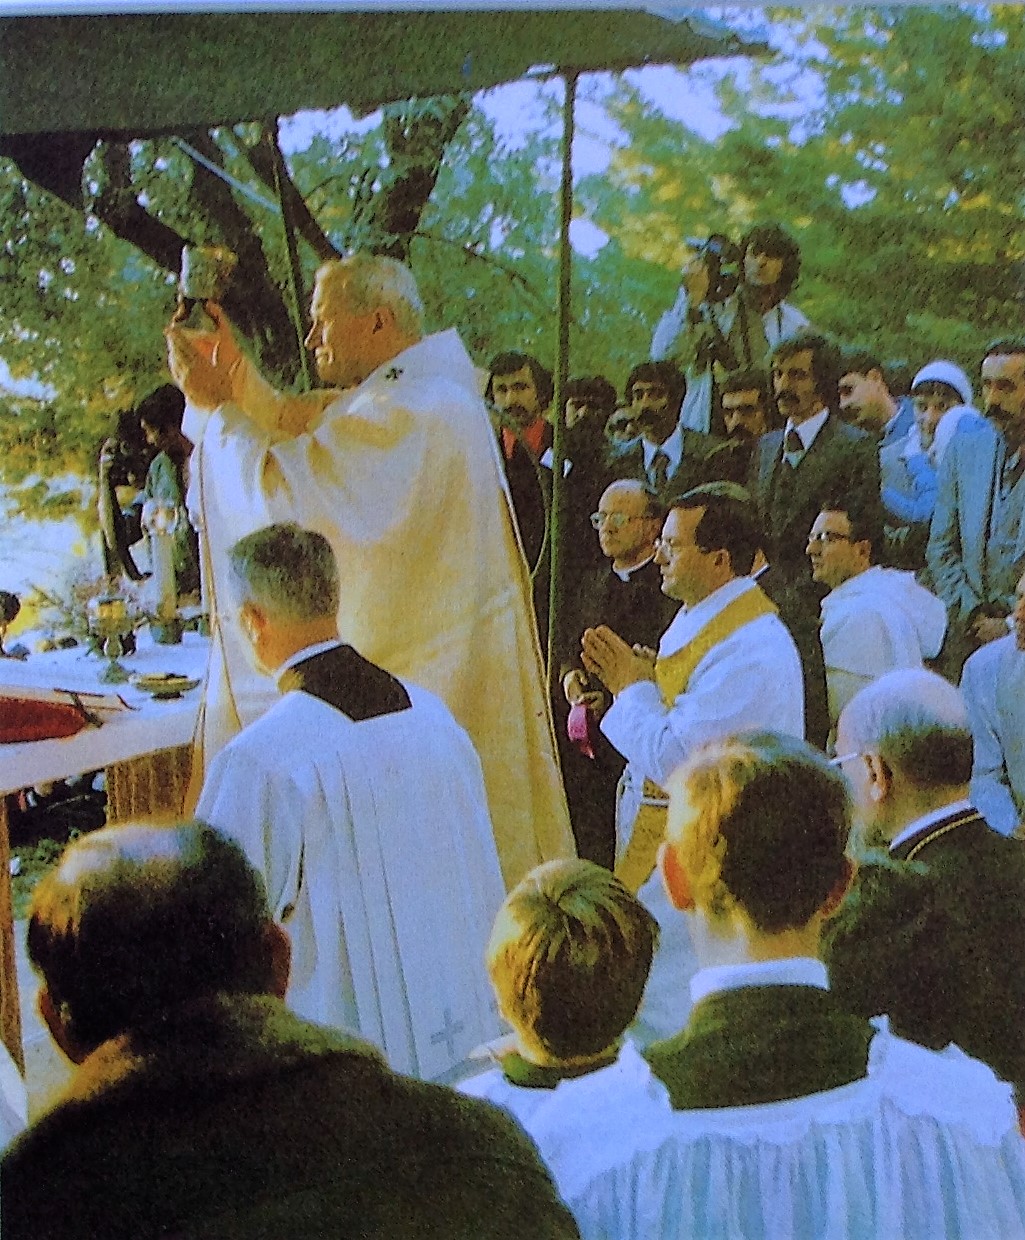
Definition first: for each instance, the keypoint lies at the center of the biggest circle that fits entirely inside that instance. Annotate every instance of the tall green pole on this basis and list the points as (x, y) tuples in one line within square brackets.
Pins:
[(565, 310)]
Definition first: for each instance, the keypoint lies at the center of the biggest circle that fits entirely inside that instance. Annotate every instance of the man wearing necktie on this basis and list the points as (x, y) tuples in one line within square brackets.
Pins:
[(976, 550), (793, 471), (668, 456)]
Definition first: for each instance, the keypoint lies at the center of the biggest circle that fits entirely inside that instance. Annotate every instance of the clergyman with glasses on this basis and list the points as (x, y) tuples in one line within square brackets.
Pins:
[(625, 593)]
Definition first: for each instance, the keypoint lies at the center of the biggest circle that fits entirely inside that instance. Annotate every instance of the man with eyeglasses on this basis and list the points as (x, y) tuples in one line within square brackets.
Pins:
[(932, 932), (725, 664), (976, 549), (625, 594), (874, 619), (815, 454)]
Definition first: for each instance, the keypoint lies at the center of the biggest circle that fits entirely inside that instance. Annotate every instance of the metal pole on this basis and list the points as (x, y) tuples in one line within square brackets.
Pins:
[(294, 273), (561, 373)]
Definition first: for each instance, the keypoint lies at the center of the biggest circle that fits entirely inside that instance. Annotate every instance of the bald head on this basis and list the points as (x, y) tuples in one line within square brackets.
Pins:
[(628, 521), (907, 749), (917, 721), (136, 920)]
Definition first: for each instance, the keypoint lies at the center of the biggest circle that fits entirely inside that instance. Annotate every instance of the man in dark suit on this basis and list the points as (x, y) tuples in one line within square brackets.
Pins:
[(519, 391), (670, 458), (932, 931), (625, 594), (755, 858), (793, 470)]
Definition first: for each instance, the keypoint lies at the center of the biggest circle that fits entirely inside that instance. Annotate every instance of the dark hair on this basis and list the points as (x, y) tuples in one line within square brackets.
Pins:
[(747, 379), (163, 408), (825, 361), (667, 373), (136, 920), (569, 956), (866, 520), (774, 241), (1005, 345), (857, 361), (728, 523), (509, 363), (593, 390), (765, 822)]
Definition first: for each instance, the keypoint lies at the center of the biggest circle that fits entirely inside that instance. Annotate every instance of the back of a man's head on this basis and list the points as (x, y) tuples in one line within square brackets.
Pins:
[(287, 571), (137, 920), (569, 957), (917, 723), (760, 822)]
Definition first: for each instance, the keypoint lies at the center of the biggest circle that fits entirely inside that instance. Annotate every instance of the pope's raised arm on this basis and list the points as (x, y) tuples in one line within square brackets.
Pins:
[(399, 471)]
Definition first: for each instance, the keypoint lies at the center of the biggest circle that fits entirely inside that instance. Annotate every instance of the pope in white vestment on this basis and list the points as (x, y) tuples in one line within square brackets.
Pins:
[(373, 838), (401, 475)]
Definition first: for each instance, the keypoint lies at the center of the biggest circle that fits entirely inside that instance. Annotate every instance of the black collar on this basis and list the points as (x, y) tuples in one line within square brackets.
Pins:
[(908, 849)]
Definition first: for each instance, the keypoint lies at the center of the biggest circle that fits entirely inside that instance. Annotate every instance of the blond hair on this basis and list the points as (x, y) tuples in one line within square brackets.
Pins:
[(569, 956), (760, 822)]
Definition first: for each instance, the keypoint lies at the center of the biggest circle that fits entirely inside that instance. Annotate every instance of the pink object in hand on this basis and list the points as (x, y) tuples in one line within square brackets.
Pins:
[(580, 728)]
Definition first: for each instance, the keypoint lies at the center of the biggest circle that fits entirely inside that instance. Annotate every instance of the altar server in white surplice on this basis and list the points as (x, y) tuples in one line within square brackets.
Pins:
[(360, 800), (400, 472)]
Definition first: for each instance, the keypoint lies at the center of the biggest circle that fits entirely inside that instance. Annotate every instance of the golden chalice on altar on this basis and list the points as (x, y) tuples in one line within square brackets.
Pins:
[(109, 620)]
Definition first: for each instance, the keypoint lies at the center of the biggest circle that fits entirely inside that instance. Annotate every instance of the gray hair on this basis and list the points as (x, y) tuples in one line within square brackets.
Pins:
[(288, 571), (372, 280), (917, 722)]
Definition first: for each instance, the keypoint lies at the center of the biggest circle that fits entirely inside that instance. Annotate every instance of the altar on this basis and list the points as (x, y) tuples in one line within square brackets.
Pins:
[(144, 749)]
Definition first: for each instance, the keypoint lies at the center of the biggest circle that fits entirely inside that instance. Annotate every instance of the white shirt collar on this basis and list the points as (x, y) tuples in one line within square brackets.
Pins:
[(689, 621), (308, 652), (809, 429), (673, 448), (624, 574), (927, 820), (793, 971)]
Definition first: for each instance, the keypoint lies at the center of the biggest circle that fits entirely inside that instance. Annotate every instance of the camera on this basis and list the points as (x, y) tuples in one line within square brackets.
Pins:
[(722, 260)]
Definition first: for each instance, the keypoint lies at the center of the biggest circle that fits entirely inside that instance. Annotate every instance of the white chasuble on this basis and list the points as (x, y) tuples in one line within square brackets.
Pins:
[(374, 842), (402, 476)]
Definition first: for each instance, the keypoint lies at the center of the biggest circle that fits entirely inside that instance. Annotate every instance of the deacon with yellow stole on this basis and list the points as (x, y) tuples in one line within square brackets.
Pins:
[(726, 664)]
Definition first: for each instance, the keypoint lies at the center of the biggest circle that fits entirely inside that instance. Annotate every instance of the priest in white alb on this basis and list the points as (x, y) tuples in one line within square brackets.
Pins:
[(399, 471), (361, 802)]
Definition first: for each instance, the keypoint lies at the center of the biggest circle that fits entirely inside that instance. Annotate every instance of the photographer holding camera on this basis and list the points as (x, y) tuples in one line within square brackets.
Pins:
[(729, 313)]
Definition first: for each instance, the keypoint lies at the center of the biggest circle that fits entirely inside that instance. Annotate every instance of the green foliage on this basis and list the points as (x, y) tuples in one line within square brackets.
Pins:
[(887, 140)]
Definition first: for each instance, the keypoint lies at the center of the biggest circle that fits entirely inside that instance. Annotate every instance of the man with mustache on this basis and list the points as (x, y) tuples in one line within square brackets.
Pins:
[(793, 471), (668, 456), (976, 549)]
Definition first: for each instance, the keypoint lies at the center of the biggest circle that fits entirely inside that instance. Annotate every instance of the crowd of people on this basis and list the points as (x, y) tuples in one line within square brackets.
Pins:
[(765, 976)]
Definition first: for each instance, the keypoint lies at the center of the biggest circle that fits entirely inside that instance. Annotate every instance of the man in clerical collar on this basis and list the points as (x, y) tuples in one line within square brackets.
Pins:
[(360, 800), (930, 933), (726, 663), (625, 594), (755, 860)]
